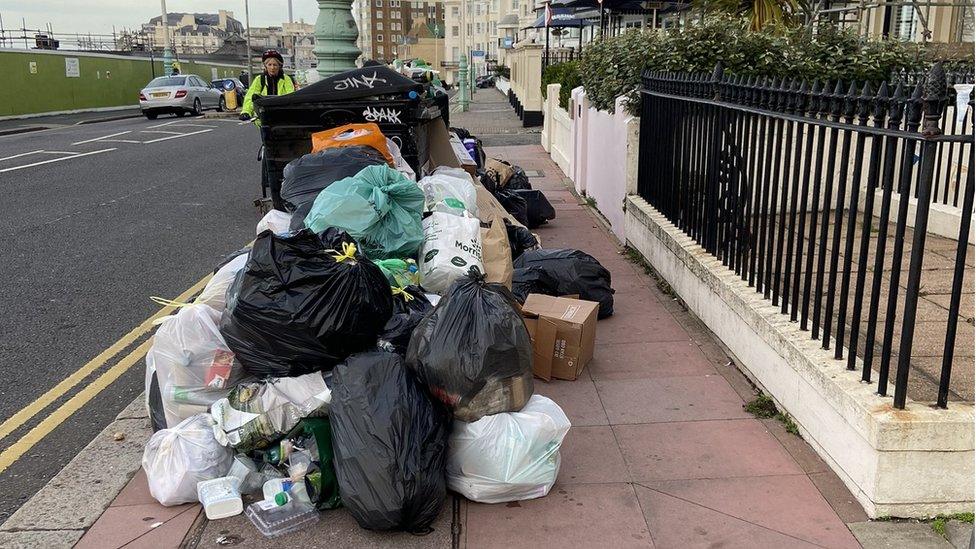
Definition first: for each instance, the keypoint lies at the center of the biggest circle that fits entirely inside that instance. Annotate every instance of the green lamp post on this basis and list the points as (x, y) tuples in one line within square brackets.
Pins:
[(335, 38)]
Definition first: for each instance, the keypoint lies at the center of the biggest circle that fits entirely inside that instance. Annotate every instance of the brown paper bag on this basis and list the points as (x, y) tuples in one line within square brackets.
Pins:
[(496, 254), (500, 171)]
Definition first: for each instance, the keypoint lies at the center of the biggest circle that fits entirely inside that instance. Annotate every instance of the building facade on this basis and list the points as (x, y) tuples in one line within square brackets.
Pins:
[(192, 33), (384, 25)]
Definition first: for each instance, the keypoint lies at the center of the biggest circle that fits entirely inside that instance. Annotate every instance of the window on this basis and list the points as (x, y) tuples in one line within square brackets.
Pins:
[(454, 30), (477, 27), (379, 14), (379, 37), (905, 23), (477, 9), (455, 54), (379, 49), (455, 11), (379, 25), (432, 11), (469, 29), (379, 3)]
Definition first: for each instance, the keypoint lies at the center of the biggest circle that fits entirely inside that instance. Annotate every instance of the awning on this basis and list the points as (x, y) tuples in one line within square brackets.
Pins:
[(352, 84), (561, 17)]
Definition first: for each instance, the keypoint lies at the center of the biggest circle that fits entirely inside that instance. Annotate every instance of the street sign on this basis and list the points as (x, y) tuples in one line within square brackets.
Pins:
[(71, 67), (477, 53)]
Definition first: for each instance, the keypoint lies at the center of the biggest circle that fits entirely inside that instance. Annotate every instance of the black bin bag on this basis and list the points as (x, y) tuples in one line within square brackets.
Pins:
[(410, 305), (472, 351), (390, 444), (514, 204), (575, 272), (538, 210), (533, 280), (520, 239), (307, 175), (303, 303)]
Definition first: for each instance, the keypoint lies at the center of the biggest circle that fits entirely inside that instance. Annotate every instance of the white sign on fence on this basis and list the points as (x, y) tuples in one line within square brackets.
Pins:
[(71, 67), (213, 73)]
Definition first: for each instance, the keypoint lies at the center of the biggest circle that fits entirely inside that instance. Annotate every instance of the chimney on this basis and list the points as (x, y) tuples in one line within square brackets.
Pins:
[(222, 19), (291, 19)]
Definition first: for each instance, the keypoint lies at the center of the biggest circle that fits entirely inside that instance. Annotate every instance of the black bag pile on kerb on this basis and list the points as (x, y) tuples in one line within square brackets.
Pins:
[(304, 302), (473, 351), (390, 444), (574, 272)]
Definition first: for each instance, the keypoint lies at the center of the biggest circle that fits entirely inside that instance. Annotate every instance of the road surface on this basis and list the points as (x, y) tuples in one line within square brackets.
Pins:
[(96, 219)]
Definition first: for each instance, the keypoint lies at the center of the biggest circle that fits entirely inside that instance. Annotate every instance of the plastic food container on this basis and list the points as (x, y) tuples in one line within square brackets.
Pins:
[(221, 497), (274, 520)]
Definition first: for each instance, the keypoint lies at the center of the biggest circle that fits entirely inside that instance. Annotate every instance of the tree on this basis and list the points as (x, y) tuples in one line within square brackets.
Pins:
[(761, 13)]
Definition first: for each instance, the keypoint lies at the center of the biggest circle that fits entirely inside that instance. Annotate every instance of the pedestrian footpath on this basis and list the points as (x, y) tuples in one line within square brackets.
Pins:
[(661, 452)]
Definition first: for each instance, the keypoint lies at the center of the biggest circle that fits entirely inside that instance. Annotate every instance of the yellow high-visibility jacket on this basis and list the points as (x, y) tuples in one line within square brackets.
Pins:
[(286, 84)]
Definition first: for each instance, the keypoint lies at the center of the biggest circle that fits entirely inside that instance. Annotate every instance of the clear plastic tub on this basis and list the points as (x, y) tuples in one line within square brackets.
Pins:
[(274, 520)]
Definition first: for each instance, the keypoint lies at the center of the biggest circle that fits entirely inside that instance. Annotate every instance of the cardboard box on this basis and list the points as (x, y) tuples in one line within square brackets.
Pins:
[(445, 149), (563, 332)]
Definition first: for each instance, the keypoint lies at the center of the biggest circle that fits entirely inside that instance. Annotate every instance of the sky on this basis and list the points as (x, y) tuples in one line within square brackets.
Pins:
[(98, 16)]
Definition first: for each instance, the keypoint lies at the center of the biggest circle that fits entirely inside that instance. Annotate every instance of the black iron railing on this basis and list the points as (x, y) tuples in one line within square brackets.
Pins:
[(792, 184)]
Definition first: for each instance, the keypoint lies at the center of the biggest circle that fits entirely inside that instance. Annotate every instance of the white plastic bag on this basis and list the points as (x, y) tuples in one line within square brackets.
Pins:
[(276, 221), (507, 457), (256, 414), (176, 459), (399, 163), (193, 365), (452, 245), (215, 292), (451, 192)]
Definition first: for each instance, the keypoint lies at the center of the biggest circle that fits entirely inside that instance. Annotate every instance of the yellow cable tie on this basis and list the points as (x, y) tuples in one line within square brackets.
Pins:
[(348, 253), (400, 292)]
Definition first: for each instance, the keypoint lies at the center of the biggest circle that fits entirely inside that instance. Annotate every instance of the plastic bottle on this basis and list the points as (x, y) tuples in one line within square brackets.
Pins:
[(295, 490)]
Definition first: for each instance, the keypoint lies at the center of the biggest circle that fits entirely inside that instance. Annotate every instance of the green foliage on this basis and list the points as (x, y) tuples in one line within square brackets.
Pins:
[(612, 67), (503, 71), (567, 75), (763, 407)]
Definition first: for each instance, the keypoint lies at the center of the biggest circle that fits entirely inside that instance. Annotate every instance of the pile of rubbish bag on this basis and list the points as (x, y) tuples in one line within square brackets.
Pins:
[(368, 350)]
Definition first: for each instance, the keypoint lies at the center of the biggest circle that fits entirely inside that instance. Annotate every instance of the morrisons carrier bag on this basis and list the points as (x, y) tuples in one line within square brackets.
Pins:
[(452, 245)]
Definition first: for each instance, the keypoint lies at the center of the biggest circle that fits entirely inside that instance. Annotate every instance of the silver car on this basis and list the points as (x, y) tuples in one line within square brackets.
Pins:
[(179, 94)]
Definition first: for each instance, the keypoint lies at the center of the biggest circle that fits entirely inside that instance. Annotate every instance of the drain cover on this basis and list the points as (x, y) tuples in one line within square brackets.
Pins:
[(534, 173)]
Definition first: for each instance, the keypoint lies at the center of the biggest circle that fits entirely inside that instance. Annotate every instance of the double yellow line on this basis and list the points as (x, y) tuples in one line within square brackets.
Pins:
[(82, 397)]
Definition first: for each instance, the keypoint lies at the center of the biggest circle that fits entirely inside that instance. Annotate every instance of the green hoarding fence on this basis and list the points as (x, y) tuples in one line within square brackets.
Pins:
[(41, 81)]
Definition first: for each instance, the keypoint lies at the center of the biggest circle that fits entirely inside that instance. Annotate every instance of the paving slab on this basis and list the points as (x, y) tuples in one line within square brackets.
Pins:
[(897, 535), (702, 450), (685, 398), (623, 361), (579, 515)]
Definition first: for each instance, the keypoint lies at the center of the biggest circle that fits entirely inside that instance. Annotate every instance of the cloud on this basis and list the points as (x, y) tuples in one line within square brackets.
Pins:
[(98, 16)]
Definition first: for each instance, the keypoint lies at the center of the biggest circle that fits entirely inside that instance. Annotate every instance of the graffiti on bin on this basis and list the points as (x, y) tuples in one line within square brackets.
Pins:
[(363, 81), (373, 114)]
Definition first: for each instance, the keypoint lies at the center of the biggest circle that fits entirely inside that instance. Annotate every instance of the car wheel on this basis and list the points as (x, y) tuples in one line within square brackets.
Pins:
[(180, 114), (221, 106), (151, 115), (197, 109)]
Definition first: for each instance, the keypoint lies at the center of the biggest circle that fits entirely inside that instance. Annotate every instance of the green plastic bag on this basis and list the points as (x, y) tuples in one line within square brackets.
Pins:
[(400, 272), (320, 481), (378, 206)]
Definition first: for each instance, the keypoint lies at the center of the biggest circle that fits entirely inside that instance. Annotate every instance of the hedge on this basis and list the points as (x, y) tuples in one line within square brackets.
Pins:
[(612, 67), (567, 75)]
